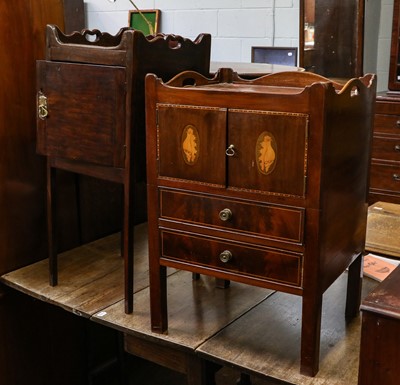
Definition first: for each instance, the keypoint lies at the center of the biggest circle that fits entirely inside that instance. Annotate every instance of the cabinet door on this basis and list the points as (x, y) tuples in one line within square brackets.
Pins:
[(192, 143), (270, 151), (86, 112)]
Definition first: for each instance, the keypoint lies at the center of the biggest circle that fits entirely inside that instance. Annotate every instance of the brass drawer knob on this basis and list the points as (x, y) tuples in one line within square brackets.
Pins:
[(397, 147), (225, 256), (396, 177), (225, 215), (398, 123)]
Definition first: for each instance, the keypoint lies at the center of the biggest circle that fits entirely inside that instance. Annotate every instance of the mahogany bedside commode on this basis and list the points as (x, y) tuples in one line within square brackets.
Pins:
[(260, 181), (91, 117)]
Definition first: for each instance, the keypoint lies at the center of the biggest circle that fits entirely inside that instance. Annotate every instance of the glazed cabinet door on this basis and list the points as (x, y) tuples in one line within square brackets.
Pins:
[(81, 112), (268, 151), (191, 143)]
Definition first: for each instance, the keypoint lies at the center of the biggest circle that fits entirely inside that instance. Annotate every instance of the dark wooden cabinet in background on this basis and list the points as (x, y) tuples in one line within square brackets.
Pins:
[(262, 184), (394, 67), (385, 158), (24, 349), (331, 37), (22, 175), (385, 162)]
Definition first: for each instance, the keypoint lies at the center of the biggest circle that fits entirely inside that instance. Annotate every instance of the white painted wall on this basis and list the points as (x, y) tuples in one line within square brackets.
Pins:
[(237, 25)]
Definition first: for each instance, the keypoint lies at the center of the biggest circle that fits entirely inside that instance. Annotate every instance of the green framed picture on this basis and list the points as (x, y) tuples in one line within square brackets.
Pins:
[(144, 20)]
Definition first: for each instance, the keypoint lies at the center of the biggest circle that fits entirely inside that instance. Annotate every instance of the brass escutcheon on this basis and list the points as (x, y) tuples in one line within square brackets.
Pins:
[(42, 106)]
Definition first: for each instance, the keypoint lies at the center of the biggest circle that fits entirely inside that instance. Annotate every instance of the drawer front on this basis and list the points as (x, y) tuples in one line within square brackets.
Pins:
[(386, 148), (387, 124), (260, 263), (283, 223), (385, 177)]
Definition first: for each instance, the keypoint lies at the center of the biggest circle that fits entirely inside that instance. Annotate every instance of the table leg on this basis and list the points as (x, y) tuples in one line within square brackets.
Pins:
[(196, 370), (354, 286), (310, 334), (244, 379), (128, 243), (51, 225)]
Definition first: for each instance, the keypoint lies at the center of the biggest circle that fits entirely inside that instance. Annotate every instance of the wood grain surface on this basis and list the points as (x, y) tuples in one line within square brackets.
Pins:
[(266, 341), (91, 277), (383, 229)]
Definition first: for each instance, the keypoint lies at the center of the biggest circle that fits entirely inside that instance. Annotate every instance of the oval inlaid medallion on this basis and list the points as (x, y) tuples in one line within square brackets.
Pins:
[(266, 152), (190, 144)]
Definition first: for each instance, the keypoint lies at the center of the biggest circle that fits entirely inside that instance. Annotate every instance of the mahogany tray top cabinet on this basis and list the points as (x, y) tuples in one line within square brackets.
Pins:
[(91, 114), (263, 182)]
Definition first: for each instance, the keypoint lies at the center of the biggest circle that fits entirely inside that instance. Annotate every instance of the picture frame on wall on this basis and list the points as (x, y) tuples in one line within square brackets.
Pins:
[(143, 19)]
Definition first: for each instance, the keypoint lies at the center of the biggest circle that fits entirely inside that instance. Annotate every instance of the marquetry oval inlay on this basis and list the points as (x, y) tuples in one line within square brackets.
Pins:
[(266, 153), (190, 144)]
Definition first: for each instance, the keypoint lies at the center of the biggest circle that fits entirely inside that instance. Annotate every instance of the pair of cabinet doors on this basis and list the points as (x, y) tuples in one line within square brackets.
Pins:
[(245, 149)]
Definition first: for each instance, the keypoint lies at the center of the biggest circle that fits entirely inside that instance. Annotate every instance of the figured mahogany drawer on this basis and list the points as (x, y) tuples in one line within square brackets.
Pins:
[(386, 148), (238, 259), (283, 223), (385, 177), (387, 124)]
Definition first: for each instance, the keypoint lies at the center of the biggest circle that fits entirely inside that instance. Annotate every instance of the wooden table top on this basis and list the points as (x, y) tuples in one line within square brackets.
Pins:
[(266, 340), (253, 329), (91, 285), (197, 310), (90, 276), (383, 229)]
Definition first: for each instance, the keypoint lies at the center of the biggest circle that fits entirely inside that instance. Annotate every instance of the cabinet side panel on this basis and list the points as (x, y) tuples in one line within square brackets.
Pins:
[(345, 179)]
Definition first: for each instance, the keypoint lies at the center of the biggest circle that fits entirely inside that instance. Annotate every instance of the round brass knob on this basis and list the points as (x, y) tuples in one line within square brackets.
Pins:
[(225, 215), (225, 256), (397, 147)]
